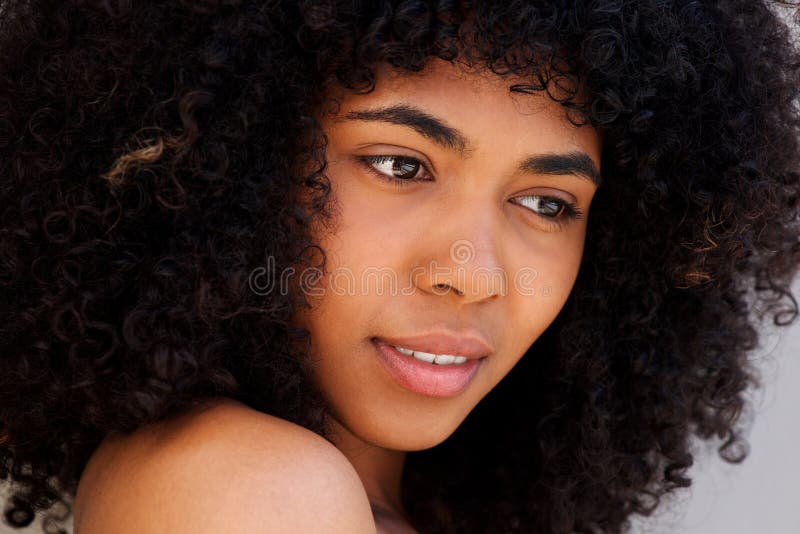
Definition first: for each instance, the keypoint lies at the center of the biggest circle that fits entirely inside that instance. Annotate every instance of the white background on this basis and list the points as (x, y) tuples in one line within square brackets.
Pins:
[(760, 495)]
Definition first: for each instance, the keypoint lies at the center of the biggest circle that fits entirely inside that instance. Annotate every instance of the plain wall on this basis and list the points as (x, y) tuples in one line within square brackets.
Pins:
[(760, 495)]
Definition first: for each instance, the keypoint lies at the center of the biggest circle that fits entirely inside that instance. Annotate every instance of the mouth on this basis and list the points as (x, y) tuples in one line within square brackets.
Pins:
[(431, 374)]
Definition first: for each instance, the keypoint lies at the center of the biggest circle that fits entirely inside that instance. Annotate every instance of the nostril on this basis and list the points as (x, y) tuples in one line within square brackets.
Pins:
[(447, 287)]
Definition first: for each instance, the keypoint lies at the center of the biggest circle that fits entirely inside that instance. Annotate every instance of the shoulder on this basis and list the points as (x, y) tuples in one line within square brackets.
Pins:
[(223, 467)]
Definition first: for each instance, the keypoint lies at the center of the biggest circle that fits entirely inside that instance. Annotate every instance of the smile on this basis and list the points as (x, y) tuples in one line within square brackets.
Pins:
[(420, 372), (439, 359)]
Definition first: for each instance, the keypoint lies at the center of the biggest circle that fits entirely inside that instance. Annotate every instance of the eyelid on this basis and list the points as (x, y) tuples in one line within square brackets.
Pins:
[(397, 150), (571, 211), (546, 191), (369, 165)]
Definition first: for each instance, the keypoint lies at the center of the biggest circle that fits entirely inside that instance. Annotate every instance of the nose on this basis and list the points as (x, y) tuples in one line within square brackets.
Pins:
[(466, 261)]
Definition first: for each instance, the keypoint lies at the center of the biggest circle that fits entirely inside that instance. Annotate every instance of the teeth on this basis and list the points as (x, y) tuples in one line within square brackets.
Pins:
[(440, 359), (425, 356), (445, 359)]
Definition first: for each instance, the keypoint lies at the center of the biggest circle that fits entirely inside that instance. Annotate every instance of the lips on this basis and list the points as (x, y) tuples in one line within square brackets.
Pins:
[(425, 378), (468, 344)]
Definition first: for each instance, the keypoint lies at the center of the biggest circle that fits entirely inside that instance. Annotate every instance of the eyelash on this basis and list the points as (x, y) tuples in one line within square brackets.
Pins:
[(570, 212)]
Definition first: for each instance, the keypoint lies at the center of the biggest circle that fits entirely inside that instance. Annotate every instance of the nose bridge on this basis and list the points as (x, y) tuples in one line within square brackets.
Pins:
[(467, 259)]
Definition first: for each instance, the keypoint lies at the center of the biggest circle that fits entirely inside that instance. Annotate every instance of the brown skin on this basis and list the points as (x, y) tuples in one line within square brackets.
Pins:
[(405, 230), (402, 229), (220, 467)]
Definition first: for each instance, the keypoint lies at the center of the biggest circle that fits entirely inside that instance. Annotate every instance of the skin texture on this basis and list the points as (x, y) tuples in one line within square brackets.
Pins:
[(408, 230)]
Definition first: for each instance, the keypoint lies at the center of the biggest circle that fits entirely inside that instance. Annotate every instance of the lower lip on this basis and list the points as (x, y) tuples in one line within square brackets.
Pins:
[(426, 378)]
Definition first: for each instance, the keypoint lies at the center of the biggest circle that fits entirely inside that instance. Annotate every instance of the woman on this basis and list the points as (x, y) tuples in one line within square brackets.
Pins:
[(330, 266)]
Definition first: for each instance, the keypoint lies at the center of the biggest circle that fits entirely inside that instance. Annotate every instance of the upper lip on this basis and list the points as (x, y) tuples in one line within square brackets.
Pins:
[(466, 344)]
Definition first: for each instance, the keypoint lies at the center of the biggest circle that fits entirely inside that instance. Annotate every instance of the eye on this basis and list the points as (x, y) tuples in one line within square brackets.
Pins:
[(398, 170), (404, 170), (554, 210)]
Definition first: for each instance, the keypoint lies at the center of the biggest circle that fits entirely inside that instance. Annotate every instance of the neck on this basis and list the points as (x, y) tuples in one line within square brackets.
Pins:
[(380, 469)]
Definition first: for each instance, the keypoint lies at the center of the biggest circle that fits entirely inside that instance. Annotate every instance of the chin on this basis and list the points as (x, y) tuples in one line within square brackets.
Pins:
[(411, 434)]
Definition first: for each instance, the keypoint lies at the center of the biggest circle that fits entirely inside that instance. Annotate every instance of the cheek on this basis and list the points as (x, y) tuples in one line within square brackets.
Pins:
[(559, 271), (359, 255), (543, 264), (373, 228), (539, 287)]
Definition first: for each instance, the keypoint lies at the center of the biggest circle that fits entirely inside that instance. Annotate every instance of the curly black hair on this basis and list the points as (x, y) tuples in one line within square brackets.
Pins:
[(153, 155)]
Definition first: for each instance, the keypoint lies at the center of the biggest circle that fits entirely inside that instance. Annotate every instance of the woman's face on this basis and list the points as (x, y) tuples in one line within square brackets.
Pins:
[(451, 197)]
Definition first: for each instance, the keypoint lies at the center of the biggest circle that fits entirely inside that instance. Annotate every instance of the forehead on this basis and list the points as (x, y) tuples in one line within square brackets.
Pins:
[(448, 86), (477, 103)]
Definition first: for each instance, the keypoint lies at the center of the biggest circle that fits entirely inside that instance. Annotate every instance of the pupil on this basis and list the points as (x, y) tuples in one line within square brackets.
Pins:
[(405, 167), (554, 205)]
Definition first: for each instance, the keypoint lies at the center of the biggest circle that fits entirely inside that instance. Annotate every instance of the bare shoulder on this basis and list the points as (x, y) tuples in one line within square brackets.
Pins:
[(222, 467)]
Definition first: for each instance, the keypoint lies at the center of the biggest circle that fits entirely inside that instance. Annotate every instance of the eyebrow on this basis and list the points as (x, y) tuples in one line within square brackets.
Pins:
[(576, 163)]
